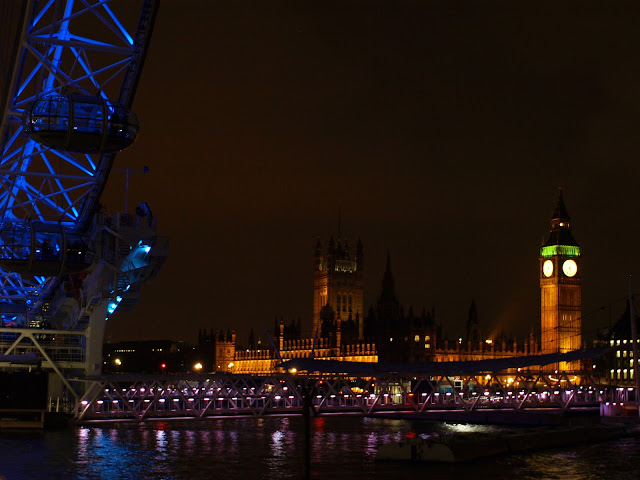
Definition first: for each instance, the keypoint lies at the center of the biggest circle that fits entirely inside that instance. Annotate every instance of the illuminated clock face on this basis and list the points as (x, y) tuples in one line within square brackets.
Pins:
[(547, 268), (569, 268)]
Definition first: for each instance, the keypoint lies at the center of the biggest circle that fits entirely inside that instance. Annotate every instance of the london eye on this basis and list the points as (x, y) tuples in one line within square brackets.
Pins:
[(70, 70)]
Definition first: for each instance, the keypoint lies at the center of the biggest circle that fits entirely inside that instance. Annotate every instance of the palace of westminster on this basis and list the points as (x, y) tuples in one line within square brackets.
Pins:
[(342, 330), (387, 332)]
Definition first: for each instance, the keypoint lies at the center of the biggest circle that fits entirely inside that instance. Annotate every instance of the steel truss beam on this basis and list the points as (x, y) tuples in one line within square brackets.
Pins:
[(200, 396), (54, 349)]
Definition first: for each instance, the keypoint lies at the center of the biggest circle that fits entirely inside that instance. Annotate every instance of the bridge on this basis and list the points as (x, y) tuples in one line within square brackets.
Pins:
[(199, 396)]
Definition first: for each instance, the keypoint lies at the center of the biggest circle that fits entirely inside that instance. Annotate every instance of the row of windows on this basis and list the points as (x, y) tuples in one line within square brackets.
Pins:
[(427, 338), (624, 353), (129, 350), (624, 342), (626, 374), (416, 338)]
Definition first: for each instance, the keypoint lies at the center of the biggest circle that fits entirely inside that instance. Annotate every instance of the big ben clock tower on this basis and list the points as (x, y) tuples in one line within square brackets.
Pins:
[(561, 287)]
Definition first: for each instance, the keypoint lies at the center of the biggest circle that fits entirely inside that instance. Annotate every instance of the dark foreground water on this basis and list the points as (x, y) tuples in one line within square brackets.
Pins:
[(272, 448)]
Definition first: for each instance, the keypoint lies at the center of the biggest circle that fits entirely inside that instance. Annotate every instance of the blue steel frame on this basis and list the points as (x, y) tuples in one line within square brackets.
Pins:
[(91, 47)]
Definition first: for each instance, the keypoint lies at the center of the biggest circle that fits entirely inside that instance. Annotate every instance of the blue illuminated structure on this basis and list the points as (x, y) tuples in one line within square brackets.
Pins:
[(66, 112), (53, 62)]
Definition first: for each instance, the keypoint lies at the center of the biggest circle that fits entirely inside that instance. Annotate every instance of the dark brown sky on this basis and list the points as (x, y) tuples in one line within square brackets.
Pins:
[(441, 129)]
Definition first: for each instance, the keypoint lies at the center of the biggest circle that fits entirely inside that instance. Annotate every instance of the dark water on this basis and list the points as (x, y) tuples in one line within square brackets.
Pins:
[(272, 448)]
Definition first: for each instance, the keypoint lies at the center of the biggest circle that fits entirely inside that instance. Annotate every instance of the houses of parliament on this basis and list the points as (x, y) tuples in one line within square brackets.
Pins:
[(388, 332)]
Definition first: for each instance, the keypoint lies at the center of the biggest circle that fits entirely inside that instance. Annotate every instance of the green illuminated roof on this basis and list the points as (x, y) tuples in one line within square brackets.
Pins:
[(566, 250)]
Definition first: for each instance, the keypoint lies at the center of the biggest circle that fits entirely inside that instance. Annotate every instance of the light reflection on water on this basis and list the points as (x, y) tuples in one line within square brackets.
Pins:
[(610, 460), (273, 448)]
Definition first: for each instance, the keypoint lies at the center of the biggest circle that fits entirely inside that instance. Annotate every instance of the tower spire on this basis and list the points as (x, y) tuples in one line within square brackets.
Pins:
[(560, 233), (560, 215), (388, 283)]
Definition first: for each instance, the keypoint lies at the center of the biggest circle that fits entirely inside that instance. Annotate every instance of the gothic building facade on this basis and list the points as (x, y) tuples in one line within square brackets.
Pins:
[(399, 337), (391, 333), (338, 287)]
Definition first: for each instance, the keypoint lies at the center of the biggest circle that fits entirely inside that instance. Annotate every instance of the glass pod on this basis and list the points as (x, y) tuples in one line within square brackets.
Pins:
[(80, 123), (42, 249)]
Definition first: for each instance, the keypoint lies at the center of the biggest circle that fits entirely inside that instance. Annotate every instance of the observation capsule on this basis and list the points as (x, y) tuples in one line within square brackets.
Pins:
[(42, 249), (80, 123)]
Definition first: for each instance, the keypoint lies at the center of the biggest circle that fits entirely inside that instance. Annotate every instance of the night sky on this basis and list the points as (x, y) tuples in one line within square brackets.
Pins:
[(440, 130)]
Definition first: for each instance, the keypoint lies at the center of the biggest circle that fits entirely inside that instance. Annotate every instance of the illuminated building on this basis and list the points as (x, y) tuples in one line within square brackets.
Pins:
[(215, 351), (338, 289), (390, 334), (225, 350), (560, 288), (620, 363), (145, 356), (387, 333)]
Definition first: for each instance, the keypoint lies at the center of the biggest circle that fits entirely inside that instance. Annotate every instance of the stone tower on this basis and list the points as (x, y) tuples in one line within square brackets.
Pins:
[(561, 287), (338, 282), (387, 325)]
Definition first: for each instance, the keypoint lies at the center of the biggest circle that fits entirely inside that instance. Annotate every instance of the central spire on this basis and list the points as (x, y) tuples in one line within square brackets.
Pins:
[(388, 284)]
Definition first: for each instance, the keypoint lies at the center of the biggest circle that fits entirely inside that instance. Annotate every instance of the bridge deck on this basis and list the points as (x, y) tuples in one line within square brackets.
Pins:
[(199, 396)]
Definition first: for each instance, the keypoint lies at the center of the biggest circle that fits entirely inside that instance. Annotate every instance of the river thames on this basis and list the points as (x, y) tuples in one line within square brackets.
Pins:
[(273, 448)]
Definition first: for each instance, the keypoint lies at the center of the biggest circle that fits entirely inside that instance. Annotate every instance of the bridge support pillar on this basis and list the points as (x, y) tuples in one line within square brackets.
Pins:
[(94, 339)]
